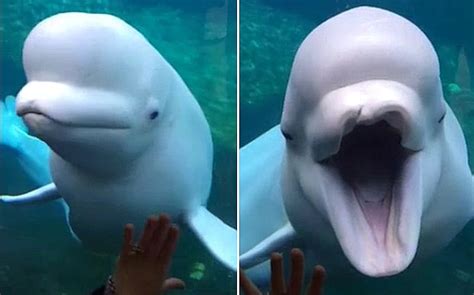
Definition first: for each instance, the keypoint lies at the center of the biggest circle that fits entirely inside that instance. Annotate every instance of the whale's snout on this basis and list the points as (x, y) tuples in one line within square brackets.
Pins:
[(366, 104), (63, 105)]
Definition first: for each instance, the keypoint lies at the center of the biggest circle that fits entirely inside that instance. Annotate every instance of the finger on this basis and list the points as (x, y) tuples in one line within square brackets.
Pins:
[(127, 240), (277, 277), (159, 235), (247, 286), (297, 272), (164, 258), (173, 283), (147, 235), (317, 280)]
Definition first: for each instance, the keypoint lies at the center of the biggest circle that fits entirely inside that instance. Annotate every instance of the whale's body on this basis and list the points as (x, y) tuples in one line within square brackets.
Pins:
[(369, 165), (127, 137)]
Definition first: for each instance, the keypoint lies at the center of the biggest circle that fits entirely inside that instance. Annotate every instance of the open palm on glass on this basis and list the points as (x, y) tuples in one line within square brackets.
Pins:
[(295, 283), (142, 269)]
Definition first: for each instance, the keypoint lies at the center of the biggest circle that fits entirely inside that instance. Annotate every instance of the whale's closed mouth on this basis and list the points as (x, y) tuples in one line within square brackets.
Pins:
[(35, 117), (379, 189)]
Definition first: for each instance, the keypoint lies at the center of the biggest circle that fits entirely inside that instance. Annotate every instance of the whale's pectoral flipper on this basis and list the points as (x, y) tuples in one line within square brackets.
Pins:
[(280, 239), (218, 237), (43, 194)]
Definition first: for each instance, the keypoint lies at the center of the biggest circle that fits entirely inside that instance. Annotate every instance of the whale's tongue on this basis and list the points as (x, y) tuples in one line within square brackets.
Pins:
[(369, 161), (372, 178), (375, 212)]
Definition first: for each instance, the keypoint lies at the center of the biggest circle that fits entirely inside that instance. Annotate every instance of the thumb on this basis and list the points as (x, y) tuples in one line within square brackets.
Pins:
[(173, 283)]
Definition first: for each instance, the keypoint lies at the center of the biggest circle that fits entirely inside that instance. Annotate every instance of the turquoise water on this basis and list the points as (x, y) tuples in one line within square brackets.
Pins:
[(37, 255), (271, 32)]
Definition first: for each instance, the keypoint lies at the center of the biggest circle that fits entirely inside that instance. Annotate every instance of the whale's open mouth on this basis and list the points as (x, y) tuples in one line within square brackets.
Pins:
[(378, 188), (370, 161)]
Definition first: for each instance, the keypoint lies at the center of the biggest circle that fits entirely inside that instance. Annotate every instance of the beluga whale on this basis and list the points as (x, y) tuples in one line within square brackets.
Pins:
[(127, 137), (20, 153), (24, 166), (368, 167)]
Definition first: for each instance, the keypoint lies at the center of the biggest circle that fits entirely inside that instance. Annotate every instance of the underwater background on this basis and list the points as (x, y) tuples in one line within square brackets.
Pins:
[(271, 32), (198, 38)]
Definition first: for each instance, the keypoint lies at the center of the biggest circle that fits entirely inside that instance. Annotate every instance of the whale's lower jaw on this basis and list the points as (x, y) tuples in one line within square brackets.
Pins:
[(374, 200)]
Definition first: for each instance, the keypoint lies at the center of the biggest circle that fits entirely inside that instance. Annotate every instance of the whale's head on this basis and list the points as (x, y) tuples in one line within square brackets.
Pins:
[(94, 91), (363, 101)]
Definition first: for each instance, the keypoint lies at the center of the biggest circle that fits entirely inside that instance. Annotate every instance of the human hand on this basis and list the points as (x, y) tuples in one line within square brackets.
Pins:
[(295, 283), (142, 269)]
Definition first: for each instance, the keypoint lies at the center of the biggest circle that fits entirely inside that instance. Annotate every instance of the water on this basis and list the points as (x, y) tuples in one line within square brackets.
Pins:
[(37, 255), (271, 32)]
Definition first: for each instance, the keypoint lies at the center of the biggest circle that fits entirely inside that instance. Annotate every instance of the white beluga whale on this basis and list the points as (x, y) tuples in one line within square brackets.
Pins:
[(368, 162), (127, 137)]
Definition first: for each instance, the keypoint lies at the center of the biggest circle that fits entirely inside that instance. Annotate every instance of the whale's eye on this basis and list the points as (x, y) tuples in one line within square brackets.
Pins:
[(286, 135), (442, 118), (154, 115)]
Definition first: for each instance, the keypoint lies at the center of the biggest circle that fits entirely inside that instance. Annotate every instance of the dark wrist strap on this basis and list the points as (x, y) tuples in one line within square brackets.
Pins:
[(110, 287)]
